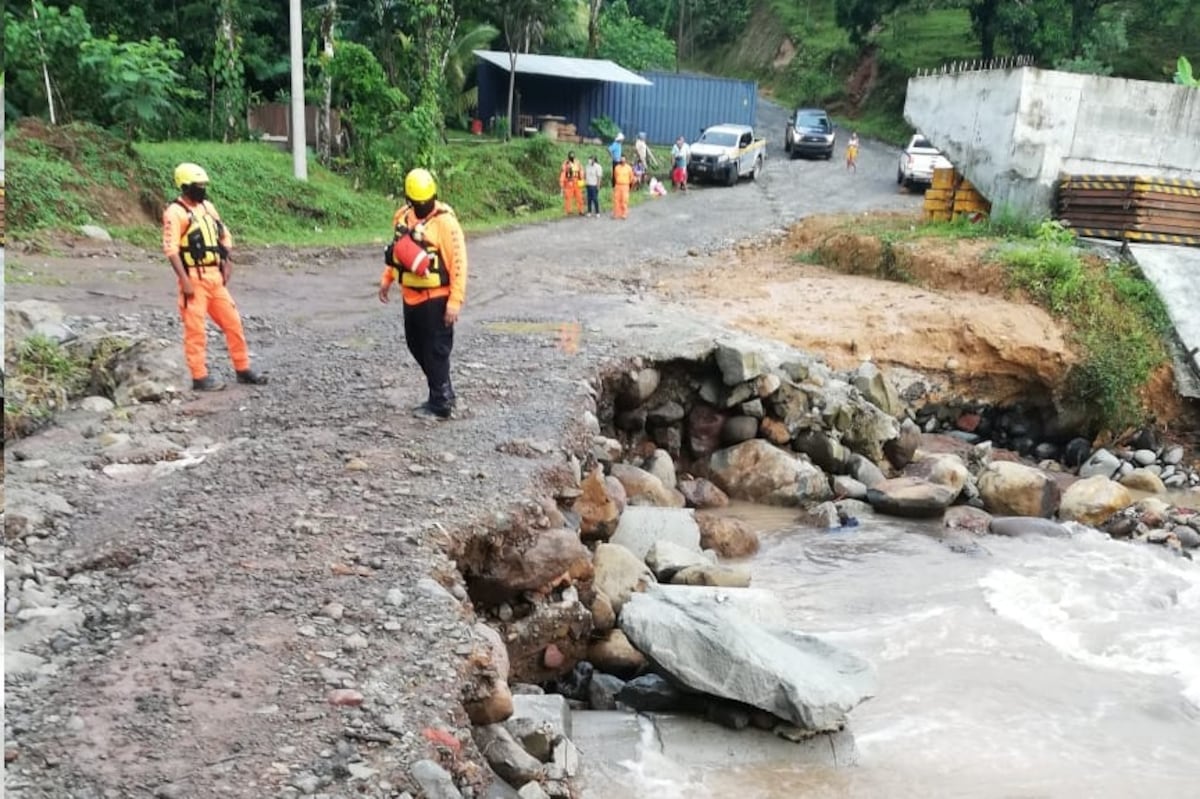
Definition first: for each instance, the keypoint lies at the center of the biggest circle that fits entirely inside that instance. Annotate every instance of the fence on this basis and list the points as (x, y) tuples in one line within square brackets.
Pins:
[(977, 65), (274, 121)]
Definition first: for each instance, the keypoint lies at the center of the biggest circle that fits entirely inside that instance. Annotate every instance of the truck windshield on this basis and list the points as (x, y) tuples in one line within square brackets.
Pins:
[(922, 144), (719, 138), (812, 121)]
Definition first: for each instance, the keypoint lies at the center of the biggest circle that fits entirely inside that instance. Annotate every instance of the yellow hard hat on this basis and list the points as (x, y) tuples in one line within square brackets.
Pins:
[(189, 173), (419, 186)]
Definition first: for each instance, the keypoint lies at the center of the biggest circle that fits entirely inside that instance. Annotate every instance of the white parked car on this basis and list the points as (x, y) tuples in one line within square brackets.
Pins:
[(918, 161)]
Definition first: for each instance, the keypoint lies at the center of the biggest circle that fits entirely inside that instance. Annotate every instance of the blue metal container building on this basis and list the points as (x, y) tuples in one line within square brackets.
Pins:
[(663, 105)]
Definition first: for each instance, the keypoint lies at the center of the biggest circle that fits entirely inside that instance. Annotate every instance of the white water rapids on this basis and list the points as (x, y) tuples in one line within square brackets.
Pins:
[(1036, 667)]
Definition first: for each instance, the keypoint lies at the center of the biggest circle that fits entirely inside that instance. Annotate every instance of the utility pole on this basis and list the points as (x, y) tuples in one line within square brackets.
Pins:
[(299, 161)]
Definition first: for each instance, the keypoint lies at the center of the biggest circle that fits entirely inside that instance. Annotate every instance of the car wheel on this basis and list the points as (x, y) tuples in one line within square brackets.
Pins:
[(899, 177), (731, 177), (757, 167)]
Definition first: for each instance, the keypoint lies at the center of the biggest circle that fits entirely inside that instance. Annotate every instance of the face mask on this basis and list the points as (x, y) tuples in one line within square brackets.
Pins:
[(196, 194), (424, 209)]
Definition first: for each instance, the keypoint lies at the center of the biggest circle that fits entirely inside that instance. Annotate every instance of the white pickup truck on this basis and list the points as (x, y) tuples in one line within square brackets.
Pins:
[(726, 153), (918, 161)]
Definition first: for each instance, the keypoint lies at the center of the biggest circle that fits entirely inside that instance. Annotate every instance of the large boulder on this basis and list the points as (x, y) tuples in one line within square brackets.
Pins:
[(620, 573), (1092, 500), (1013, 489), (149, 370), (708, 645), (35, 317), (700, 493), (758, 471), (535, 566), (878, 390), (941, 469), (643, 488), (728, 537), (738, 365), (641, 527), (910, 497)]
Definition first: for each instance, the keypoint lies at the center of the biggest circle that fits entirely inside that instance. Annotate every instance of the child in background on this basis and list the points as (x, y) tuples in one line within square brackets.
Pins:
[(852, 152), (657, 189)]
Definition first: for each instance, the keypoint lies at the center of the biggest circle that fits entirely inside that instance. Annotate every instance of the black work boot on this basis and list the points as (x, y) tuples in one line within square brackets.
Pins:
[(251, 377), (207, 383)]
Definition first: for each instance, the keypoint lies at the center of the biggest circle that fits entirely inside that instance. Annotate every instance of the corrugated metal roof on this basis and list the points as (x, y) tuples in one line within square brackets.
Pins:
[(564, 67)]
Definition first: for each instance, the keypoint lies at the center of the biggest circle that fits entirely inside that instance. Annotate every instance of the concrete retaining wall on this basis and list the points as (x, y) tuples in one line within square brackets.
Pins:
[(1013, 131)]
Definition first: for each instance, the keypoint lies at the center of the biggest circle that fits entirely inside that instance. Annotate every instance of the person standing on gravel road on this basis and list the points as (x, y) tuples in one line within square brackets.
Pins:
[(428, 255), (622, 180), (198, 245), (593, 172)]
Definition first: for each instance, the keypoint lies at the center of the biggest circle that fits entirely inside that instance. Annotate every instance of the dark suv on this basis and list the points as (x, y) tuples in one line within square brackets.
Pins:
[(810, 132)]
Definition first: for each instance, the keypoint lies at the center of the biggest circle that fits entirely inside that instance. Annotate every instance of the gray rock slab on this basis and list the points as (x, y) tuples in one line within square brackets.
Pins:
[(435, 782), (709, 647), (1016, 526)]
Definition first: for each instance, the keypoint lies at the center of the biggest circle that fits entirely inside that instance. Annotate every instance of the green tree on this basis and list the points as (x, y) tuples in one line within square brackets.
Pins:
[(1183, 73), (46, 41), (983, 21), (632, 43), (229, 83), (370, 104), (860, 18), (138, 83), (459, 60)]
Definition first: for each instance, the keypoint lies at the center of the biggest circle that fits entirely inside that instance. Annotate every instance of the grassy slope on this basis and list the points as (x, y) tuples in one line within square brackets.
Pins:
[(60, 178)]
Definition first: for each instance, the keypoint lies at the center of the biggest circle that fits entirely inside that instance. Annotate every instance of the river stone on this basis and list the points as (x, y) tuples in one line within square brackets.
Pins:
[(791, 405), (668, 413), (550, 710), (1173, 456), (603, 690), (1093, 500), (1102, 462), (774, 431), (505, 755), (1076, 452), (964, 517), (941, 469), (700, 493), (737, 365), (757, 471), (665, 558), (147, 371), (910, 497), (641, 527), (878, 390), (865, 428), (709, 646), (900, 450), (96, 404), (661, 466), (766, 385), (823, 515), (738, 429), (846, 486), (650, 693), (1144, 480), (825, 451), (1144, 457), (597, 510), (548, 555), (727, 536), (641, 487), (1017, 526), (620, 573), (604, 618), (614, 654), (752, 408), (435, 782), (715, 575), (1014, 489), (864, 471), (638, 386), (1188, 536)]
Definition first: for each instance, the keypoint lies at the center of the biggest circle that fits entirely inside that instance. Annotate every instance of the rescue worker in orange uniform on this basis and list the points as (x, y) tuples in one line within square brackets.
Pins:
[(622, 179), (571, 180), (198, 244), (428, 255)]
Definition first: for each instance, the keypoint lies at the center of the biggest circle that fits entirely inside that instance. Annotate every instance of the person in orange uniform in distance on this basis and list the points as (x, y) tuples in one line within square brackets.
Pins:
[(198, 245), (622, 180), (571, 180), (429, 257)]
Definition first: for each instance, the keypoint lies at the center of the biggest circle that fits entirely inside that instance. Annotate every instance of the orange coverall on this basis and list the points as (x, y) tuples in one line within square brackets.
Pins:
[(570, 179), (210, 297), (622, 180)]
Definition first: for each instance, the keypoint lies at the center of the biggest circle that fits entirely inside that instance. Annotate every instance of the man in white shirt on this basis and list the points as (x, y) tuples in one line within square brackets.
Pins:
[(592, 174)]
